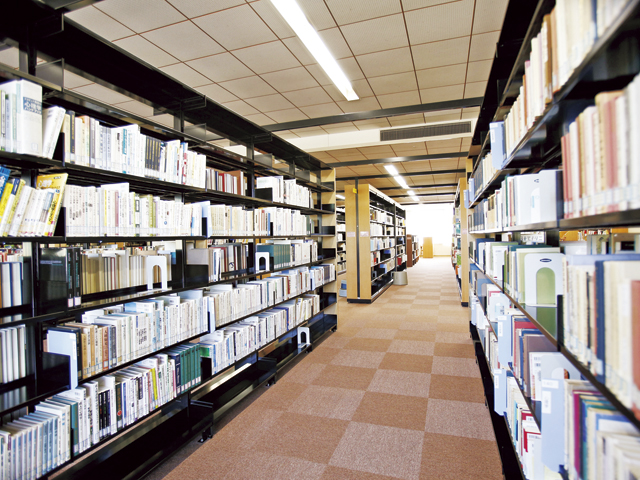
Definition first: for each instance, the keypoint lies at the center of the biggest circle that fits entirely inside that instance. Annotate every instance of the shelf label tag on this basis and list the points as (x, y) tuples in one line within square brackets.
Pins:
[(546, 402), (355, 190), (351, 234), (550, 384), (364, 234)]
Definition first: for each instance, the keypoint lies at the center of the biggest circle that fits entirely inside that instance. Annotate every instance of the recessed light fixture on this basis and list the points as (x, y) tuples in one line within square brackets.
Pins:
[(339, 197), (411, 193), (401, 182), (295, 17), (391, 169)]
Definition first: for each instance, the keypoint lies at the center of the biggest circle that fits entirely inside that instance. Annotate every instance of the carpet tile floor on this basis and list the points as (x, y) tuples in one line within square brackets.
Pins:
[(395, 393)]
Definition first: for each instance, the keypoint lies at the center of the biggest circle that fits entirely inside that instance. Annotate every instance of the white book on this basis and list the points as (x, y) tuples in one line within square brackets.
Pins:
[(21, 208), (52, 120), (28, 115)]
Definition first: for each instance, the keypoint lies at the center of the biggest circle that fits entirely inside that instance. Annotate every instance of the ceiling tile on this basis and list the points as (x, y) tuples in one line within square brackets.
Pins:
[(236, 27), (340, 128), (292, 79), (415, 4), (186, 75), (433, 151), (288, 115), (376, 35), (351, 12), (420, 166), (361, 87), (142, 15), (365, 170), (442, 94), (383, 151), (147, 51), (308, 96), (248, 87), (469, 115), (270, 103), (295, 46), (483, 46), (475, 89), (317, 13), (267, 57), (344, 152), (287, 136), (99, 23), (259, 119), (371, 124), (442, 76), (313, 132), (323, 110), (479, 71), (319, 74), (271, 16), (386, 62), (438, 54), (241, 108), (398, 82), (184, 41), (364, 104), (319, 155), (216, 93), (440, 22), (466, 142), (344, 172), (409, 149), (335, 42), (436, 113), (137, 108), (221, 67), (71, 80), (101, 93), (352, 158), (402, 99), (489, 15), (196, 8), (449, 143), (450, 117)]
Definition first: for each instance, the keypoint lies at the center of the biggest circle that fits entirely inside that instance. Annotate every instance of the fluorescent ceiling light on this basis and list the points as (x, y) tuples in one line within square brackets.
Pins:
[(339, 197), (297, 20), (391, 169), (411, 193), (401, 182)]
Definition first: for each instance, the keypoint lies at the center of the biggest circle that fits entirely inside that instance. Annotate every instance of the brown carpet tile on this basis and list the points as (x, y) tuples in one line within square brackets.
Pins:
[(394, 393)]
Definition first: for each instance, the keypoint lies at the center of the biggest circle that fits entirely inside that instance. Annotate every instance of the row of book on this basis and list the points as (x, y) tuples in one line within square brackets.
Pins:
[(21, 125), (113, 210), (289, 253), (379, 243), (377, 229), (224, 220), (74, 420), (286, 191), (380, 216), (106, 338), (234, 182), (521, 200), (11, 283), (232, 303), (227, 345), (385, 266), (601, 317), (382, 255), (566, 36), (482, 175), (13, 353), (599, 149), (29, 211), (573, 431)]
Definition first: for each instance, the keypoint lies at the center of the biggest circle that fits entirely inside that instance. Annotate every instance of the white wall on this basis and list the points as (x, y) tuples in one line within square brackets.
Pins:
[(435, 221)]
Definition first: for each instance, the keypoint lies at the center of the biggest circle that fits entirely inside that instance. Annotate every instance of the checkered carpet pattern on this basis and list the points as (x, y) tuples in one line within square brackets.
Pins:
[(395, 393)]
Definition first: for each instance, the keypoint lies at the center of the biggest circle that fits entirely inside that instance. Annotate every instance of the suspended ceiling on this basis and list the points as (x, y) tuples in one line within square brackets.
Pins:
[(241, 54)]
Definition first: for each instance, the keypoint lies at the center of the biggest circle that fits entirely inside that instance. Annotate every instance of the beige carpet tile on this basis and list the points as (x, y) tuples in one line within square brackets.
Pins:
[(379, 333), (304, 373), (453, 327), (345, 377), (358, 358), (448, 387), (459, 350), (401, 411), (370, 344), (426, 301), (329, 402), (259, 465), (448, 457), (336, 342), (421, 335), (463, 419), (406, 363), (281, 395), (322, 354), (453, 337), (458, 367), (401, 383), (307, 437), (412, 347), (337, 473), (395, 452), (384, 323), (429, 326)]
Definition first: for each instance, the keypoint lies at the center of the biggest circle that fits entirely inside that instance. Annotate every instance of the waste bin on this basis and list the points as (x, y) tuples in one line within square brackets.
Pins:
[(400, 278)]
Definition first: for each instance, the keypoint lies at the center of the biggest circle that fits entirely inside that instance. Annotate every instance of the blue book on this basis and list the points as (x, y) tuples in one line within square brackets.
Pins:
[(498, 153)]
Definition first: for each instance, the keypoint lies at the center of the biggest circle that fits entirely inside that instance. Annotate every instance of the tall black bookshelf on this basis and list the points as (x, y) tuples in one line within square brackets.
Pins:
[(41, 31), (609, 64)]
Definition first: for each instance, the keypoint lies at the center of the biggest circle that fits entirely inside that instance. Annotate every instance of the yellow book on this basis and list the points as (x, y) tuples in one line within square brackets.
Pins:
[(56, 182), (7, 218), (4, 200)]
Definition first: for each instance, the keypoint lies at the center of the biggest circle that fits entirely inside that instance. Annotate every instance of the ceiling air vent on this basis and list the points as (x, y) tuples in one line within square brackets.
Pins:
[(425, 131)]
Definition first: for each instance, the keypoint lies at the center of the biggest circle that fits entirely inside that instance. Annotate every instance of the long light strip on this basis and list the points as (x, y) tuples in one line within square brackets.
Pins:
[(391, 169), (401, 182), (297, 20)]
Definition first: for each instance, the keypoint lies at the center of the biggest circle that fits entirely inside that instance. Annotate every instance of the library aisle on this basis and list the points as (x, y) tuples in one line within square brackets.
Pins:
[(394, 393)]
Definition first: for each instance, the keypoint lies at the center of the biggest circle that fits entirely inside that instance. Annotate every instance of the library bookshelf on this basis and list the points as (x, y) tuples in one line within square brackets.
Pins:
[(131, 450), (545, 89), (372, 220), (341, 238)]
